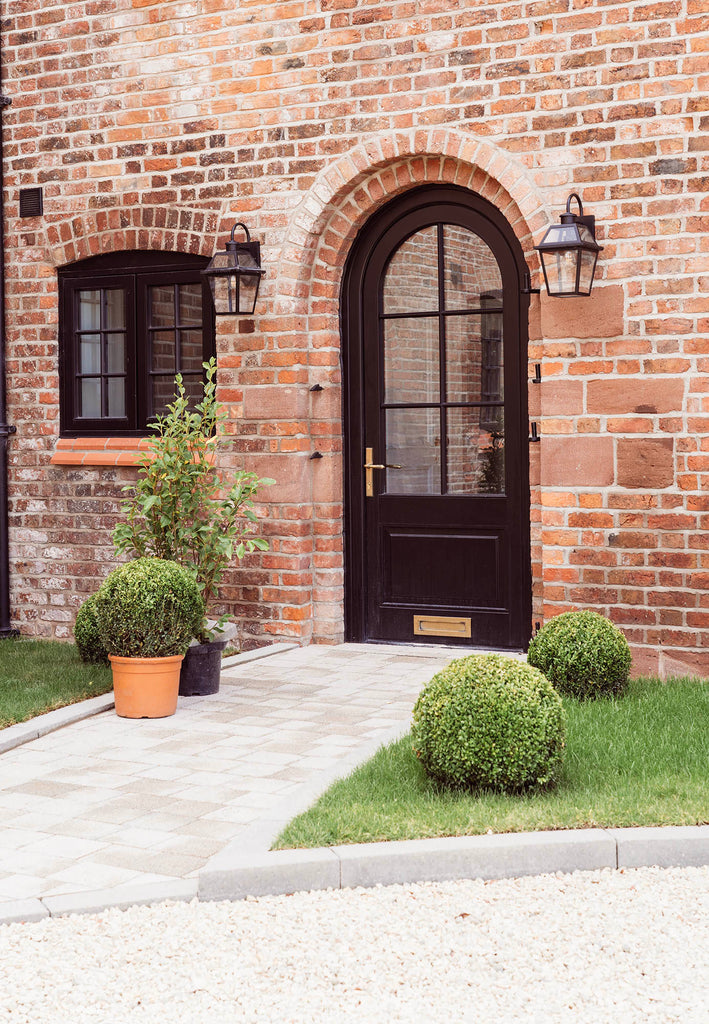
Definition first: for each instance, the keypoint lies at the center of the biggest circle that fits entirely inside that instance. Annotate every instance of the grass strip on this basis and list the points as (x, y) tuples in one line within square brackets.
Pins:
[(642, 759), (41, 675)]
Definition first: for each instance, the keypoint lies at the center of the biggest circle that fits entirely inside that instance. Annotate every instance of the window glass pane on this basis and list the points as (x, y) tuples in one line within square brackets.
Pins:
[(191, 357), (411, 360), (115, 353), (162, 392), (91, 398), (411, 279), (116, 396), (162, 355), (90, 310), (162, 305), (115, 309), (90, 353), (193, 390), (475, 452), (413, 442), (470, 271), (474, 371), (190, 303)]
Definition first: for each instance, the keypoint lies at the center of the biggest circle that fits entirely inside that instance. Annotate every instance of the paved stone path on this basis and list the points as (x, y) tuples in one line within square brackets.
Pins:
[(110, 802)]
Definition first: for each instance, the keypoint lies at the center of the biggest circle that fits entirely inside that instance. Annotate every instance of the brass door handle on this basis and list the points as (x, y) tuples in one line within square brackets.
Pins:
[(369, 466)]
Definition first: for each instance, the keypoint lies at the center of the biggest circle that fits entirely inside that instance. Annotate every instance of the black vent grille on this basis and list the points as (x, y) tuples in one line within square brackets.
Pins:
[(31, 202)]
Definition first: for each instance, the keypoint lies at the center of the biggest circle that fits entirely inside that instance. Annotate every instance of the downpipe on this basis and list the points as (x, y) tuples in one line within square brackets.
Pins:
[(6, 430)]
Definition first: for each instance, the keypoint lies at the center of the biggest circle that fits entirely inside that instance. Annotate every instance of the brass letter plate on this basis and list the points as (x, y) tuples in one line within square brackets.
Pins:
[(441, 625)]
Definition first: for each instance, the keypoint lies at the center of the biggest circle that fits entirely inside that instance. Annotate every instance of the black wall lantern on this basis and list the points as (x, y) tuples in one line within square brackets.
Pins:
[(235, 275), (569, 251)]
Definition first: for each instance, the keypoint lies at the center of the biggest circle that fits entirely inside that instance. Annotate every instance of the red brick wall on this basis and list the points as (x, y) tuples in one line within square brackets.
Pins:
[(158, 124)]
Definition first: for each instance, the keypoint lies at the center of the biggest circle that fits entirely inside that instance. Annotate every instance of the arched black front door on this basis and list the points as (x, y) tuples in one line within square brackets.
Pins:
[(435, 355)]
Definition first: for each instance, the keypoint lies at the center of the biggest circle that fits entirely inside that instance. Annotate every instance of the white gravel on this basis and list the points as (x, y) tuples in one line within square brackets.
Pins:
[(597, 947)]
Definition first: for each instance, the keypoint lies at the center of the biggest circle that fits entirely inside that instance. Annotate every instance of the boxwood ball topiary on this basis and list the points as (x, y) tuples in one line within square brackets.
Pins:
[(583, 654), (490, 722), (149, 608), (86, 633)]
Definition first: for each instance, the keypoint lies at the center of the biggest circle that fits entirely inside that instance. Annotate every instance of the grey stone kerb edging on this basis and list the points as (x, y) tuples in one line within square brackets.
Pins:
[(277, 872), (230, 876)]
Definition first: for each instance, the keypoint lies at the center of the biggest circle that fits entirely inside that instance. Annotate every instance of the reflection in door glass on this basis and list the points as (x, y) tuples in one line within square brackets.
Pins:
[(411, 279), (471, 270), (413, 442), (475, 451), (411, 360)]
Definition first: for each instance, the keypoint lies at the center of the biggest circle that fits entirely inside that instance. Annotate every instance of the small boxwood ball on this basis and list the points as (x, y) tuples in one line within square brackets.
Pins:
[(86, 633), (583, 654), (149, 608), (490, 722)]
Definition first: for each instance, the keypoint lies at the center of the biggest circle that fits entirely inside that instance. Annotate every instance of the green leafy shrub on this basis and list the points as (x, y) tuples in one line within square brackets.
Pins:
[(490, 722), (86, 634), (179, 509), (148, 608), (583, 654)]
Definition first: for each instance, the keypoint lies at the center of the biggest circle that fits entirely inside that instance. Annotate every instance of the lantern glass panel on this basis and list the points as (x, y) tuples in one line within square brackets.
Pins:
[(247, 291), (560, 270), (588, 264)]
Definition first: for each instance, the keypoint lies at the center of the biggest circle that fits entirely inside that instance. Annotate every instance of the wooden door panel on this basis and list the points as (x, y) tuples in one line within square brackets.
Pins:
[(442, 568)]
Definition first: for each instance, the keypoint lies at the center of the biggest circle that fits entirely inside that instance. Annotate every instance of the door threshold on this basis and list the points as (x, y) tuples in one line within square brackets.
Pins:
[(436, 649)]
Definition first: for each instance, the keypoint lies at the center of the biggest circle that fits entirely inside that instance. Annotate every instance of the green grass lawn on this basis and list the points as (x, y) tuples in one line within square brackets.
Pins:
[(639, 760), (41, 675)]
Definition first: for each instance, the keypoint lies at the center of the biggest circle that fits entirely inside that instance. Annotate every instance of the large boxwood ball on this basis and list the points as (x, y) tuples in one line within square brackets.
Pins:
[(149, 608), (86, 633), (583, 654), (491, 722)]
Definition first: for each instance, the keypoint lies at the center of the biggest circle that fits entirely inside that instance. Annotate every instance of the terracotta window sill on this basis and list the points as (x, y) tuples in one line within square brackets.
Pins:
[(101, 451)]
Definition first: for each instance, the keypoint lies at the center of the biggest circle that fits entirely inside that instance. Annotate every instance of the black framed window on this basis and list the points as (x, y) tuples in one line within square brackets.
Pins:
[(128, 323)]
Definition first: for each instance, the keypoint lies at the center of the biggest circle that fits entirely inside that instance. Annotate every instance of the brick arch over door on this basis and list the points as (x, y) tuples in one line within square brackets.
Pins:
[(351, 189)]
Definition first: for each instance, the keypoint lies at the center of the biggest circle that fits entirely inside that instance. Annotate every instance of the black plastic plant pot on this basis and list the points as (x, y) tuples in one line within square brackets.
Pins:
[(201, 669)]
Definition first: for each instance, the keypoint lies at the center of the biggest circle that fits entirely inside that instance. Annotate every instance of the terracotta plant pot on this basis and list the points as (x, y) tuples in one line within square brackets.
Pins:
[(146, 687)]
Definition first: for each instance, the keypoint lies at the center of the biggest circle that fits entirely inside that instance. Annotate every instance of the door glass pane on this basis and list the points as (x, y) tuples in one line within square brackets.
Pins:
[(115, 309), (474, 370), (411, 279), (115, 353), (162, 305), (411, 360), (190, 303), (162, 355), (413, 442), (91, 398), (116, 396), (90, 310), (191, 357), (475, 451), (90, 353), (470, 269)]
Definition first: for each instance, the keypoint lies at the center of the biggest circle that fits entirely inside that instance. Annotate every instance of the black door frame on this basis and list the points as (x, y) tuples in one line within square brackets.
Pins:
[(351, 319)]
